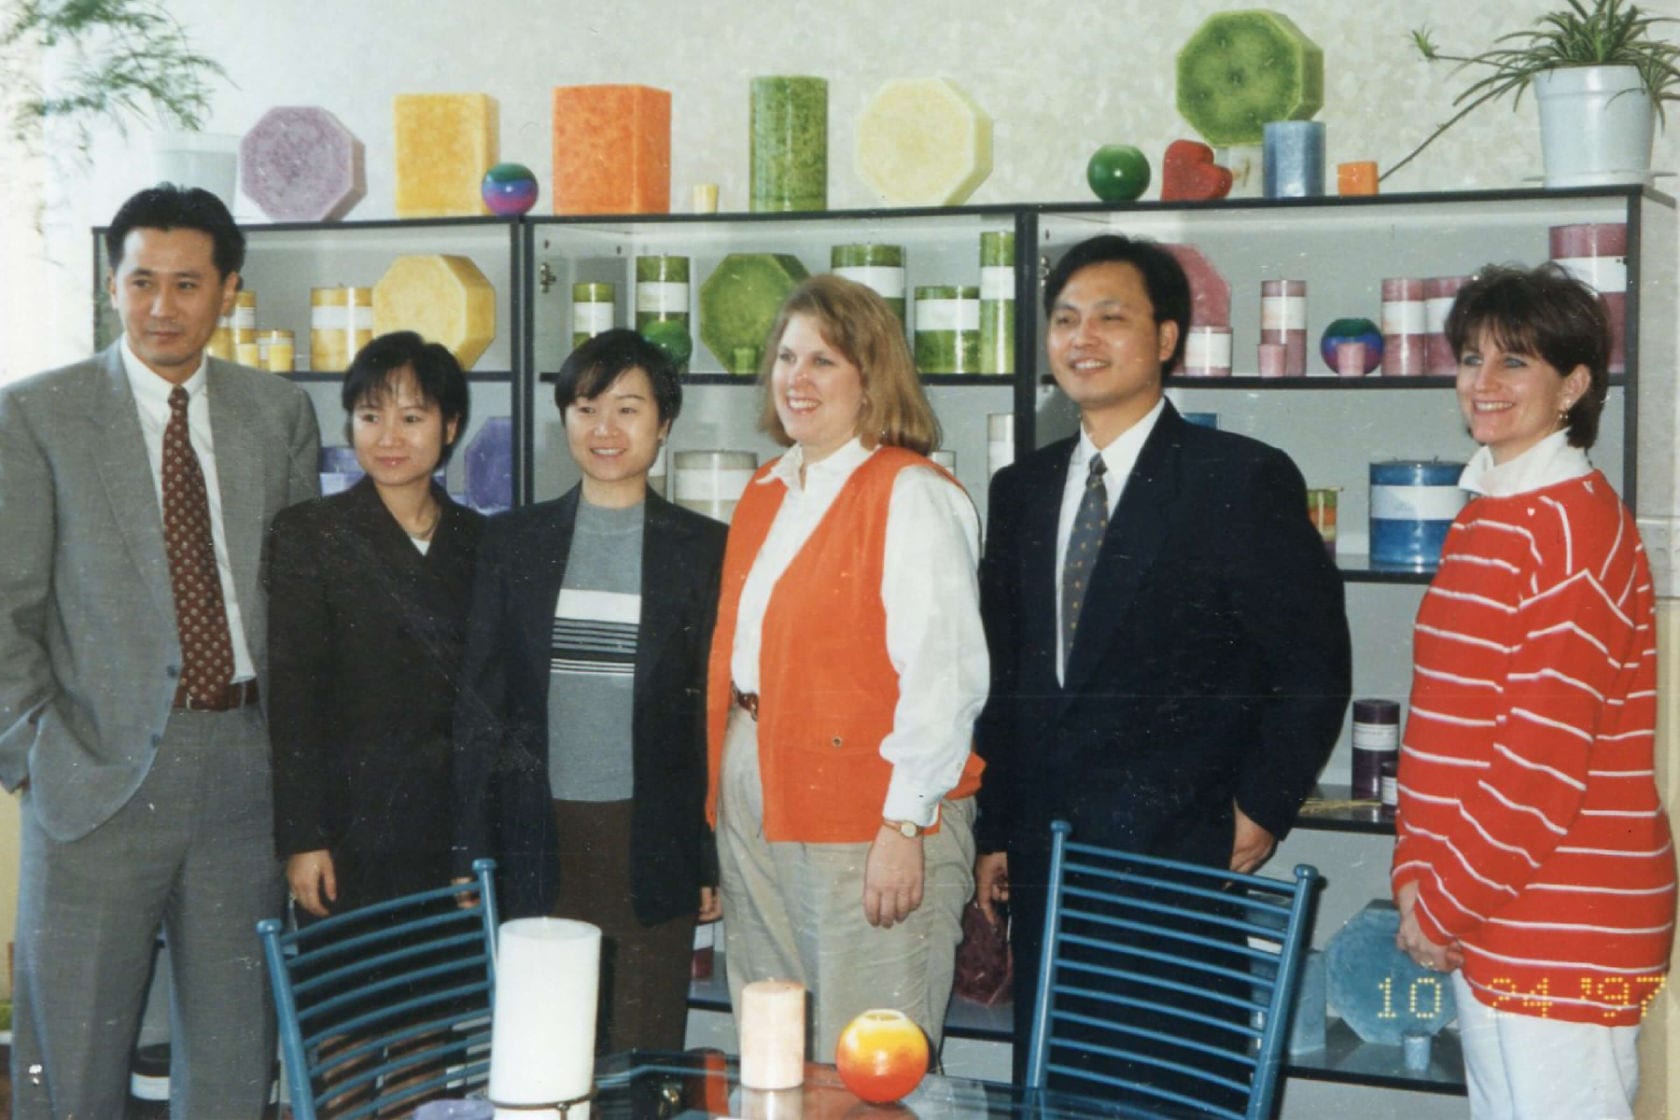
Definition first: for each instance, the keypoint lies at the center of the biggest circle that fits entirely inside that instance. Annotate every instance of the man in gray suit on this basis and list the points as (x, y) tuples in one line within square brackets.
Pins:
[(132, 642)]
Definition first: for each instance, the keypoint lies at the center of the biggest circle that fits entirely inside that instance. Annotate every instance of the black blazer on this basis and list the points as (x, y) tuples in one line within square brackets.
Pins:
[(504, 803), (1212, 658), (365, 641)]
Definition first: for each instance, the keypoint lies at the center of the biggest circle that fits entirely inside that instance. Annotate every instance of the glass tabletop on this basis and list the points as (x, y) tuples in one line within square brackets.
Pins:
[(646, 1085)]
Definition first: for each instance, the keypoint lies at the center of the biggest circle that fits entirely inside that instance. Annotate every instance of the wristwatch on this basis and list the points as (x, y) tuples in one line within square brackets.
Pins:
[(908, 829)]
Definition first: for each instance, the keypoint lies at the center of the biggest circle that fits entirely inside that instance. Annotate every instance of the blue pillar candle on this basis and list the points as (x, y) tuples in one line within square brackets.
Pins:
[(1294, 159), (1413, 503)]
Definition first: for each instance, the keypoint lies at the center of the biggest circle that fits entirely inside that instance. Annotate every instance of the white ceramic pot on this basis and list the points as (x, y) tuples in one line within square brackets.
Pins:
[(1596, 125)]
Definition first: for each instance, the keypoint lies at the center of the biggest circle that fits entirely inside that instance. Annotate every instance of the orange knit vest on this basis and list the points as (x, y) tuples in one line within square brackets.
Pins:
[(827, 689)]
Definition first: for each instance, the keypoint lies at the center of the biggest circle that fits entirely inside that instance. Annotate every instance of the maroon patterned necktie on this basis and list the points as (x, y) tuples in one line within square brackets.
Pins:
[(200, 614)]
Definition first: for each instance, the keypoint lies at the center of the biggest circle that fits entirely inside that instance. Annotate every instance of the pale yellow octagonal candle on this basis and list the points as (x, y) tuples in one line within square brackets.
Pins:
[(446, 299)]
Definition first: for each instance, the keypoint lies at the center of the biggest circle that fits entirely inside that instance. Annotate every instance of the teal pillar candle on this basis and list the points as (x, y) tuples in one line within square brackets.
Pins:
[(789, 143), (592, 311), (877, 267), (997, 302), (948, 329)]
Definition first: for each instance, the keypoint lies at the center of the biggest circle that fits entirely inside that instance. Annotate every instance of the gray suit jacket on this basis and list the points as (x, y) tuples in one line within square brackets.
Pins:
[(88, 648)]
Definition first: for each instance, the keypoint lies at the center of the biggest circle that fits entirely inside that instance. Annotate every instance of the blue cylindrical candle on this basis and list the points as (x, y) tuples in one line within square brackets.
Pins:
[(1294, 159), (1413, 503)]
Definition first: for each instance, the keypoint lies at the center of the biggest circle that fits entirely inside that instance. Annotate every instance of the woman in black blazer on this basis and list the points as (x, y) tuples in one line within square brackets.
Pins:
[(367, 622), (580, 743)]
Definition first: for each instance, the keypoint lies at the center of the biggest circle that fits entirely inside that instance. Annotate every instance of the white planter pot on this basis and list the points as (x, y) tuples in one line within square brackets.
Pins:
[(1596, 124)]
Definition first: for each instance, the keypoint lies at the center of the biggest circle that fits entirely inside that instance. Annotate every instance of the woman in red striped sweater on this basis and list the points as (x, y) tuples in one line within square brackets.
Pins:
[(1534, 860)]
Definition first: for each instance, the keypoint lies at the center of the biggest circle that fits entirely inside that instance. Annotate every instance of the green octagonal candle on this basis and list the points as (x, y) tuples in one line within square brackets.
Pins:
[(789, 143)]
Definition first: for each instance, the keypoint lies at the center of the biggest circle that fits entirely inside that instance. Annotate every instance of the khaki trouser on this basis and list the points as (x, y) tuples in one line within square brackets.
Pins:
[(795, 911)]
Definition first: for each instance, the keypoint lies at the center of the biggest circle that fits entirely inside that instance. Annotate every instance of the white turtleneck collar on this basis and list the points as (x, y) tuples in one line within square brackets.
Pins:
[(1547, 463)]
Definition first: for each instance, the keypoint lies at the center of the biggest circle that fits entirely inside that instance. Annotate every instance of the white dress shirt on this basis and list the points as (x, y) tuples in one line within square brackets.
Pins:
[(151, 399), (929, 589), (1119, 457)]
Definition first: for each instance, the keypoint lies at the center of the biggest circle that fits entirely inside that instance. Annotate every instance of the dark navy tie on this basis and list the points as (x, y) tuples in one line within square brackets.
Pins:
[(1089, 525)]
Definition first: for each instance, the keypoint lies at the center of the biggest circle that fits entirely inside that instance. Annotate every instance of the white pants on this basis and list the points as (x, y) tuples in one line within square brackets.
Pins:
[(1522, 1067), (795, 911)]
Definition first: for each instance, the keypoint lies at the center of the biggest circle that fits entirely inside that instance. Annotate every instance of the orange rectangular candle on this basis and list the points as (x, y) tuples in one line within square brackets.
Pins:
[(612, 150), (1358, 177)]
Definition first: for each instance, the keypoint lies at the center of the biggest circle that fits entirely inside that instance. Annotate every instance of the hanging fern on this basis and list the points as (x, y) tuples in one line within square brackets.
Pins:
[(131, 58)]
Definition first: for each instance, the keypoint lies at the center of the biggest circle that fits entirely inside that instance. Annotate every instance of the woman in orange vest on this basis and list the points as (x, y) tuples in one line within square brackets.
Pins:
[(847, 670)]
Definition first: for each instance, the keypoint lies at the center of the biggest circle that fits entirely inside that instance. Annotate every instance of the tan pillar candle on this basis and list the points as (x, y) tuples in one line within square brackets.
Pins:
[(773, 1034)]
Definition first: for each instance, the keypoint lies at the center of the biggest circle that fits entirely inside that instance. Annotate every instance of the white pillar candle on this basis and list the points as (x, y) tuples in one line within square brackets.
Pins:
[(542, 1045), (773, 1034)]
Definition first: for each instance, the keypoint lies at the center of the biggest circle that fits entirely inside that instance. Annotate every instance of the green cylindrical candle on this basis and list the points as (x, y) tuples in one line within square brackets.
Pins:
[(997, 302), (592, 311), (947, 329), (879, 267), (789, 143), (662, 292)]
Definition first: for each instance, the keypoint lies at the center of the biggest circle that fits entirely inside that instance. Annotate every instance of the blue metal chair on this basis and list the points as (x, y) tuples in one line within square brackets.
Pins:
[(1166, 984), (389, 1004)]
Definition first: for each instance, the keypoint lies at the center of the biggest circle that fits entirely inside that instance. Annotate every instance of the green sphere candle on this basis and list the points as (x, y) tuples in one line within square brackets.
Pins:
[(789, 143)]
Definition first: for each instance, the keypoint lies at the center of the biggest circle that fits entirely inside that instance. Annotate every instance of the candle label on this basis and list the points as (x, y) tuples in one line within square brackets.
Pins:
[(1405, 316), (1207, 349), (661, 296), (329, 317), (709, 484), (997, 282), (887, 281), (1283, 313), (1412, 503), (1435, 313), (591, 318), (947, 315), (1602, 274)]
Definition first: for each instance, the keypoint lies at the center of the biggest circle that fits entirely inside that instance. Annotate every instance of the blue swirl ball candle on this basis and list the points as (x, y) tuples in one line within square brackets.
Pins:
[(509, 189)]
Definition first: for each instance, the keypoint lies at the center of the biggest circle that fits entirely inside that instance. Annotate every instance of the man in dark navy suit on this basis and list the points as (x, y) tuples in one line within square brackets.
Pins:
[(1169, 643)]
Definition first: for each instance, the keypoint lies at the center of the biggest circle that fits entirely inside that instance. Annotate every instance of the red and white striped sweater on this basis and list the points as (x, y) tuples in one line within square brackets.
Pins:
[(1529, 815)]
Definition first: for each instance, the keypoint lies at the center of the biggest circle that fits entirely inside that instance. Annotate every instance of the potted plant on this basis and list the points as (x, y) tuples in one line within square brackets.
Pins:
[(1601, 73), (126, 57)]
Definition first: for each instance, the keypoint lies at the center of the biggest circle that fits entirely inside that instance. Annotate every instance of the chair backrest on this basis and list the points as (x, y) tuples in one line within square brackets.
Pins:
[(388, 1004), (1165, 984)]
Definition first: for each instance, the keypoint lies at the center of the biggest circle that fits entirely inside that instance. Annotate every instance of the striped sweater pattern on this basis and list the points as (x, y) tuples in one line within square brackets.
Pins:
[(1529, 815)]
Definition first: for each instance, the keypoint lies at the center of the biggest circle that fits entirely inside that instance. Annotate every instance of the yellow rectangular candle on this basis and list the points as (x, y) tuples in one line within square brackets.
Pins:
[(444, 142), (612, 150)]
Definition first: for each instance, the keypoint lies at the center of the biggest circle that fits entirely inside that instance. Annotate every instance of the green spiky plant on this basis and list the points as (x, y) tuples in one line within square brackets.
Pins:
[(1595, 33), (132, 59)]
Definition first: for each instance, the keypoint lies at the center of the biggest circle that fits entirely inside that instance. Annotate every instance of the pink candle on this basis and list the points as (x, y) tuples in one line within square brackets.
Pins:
[(1596, 254), (1273, 357), (1350, 359), (1283, 318), (1404, 327), (1438, 295), (772, 1022)]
